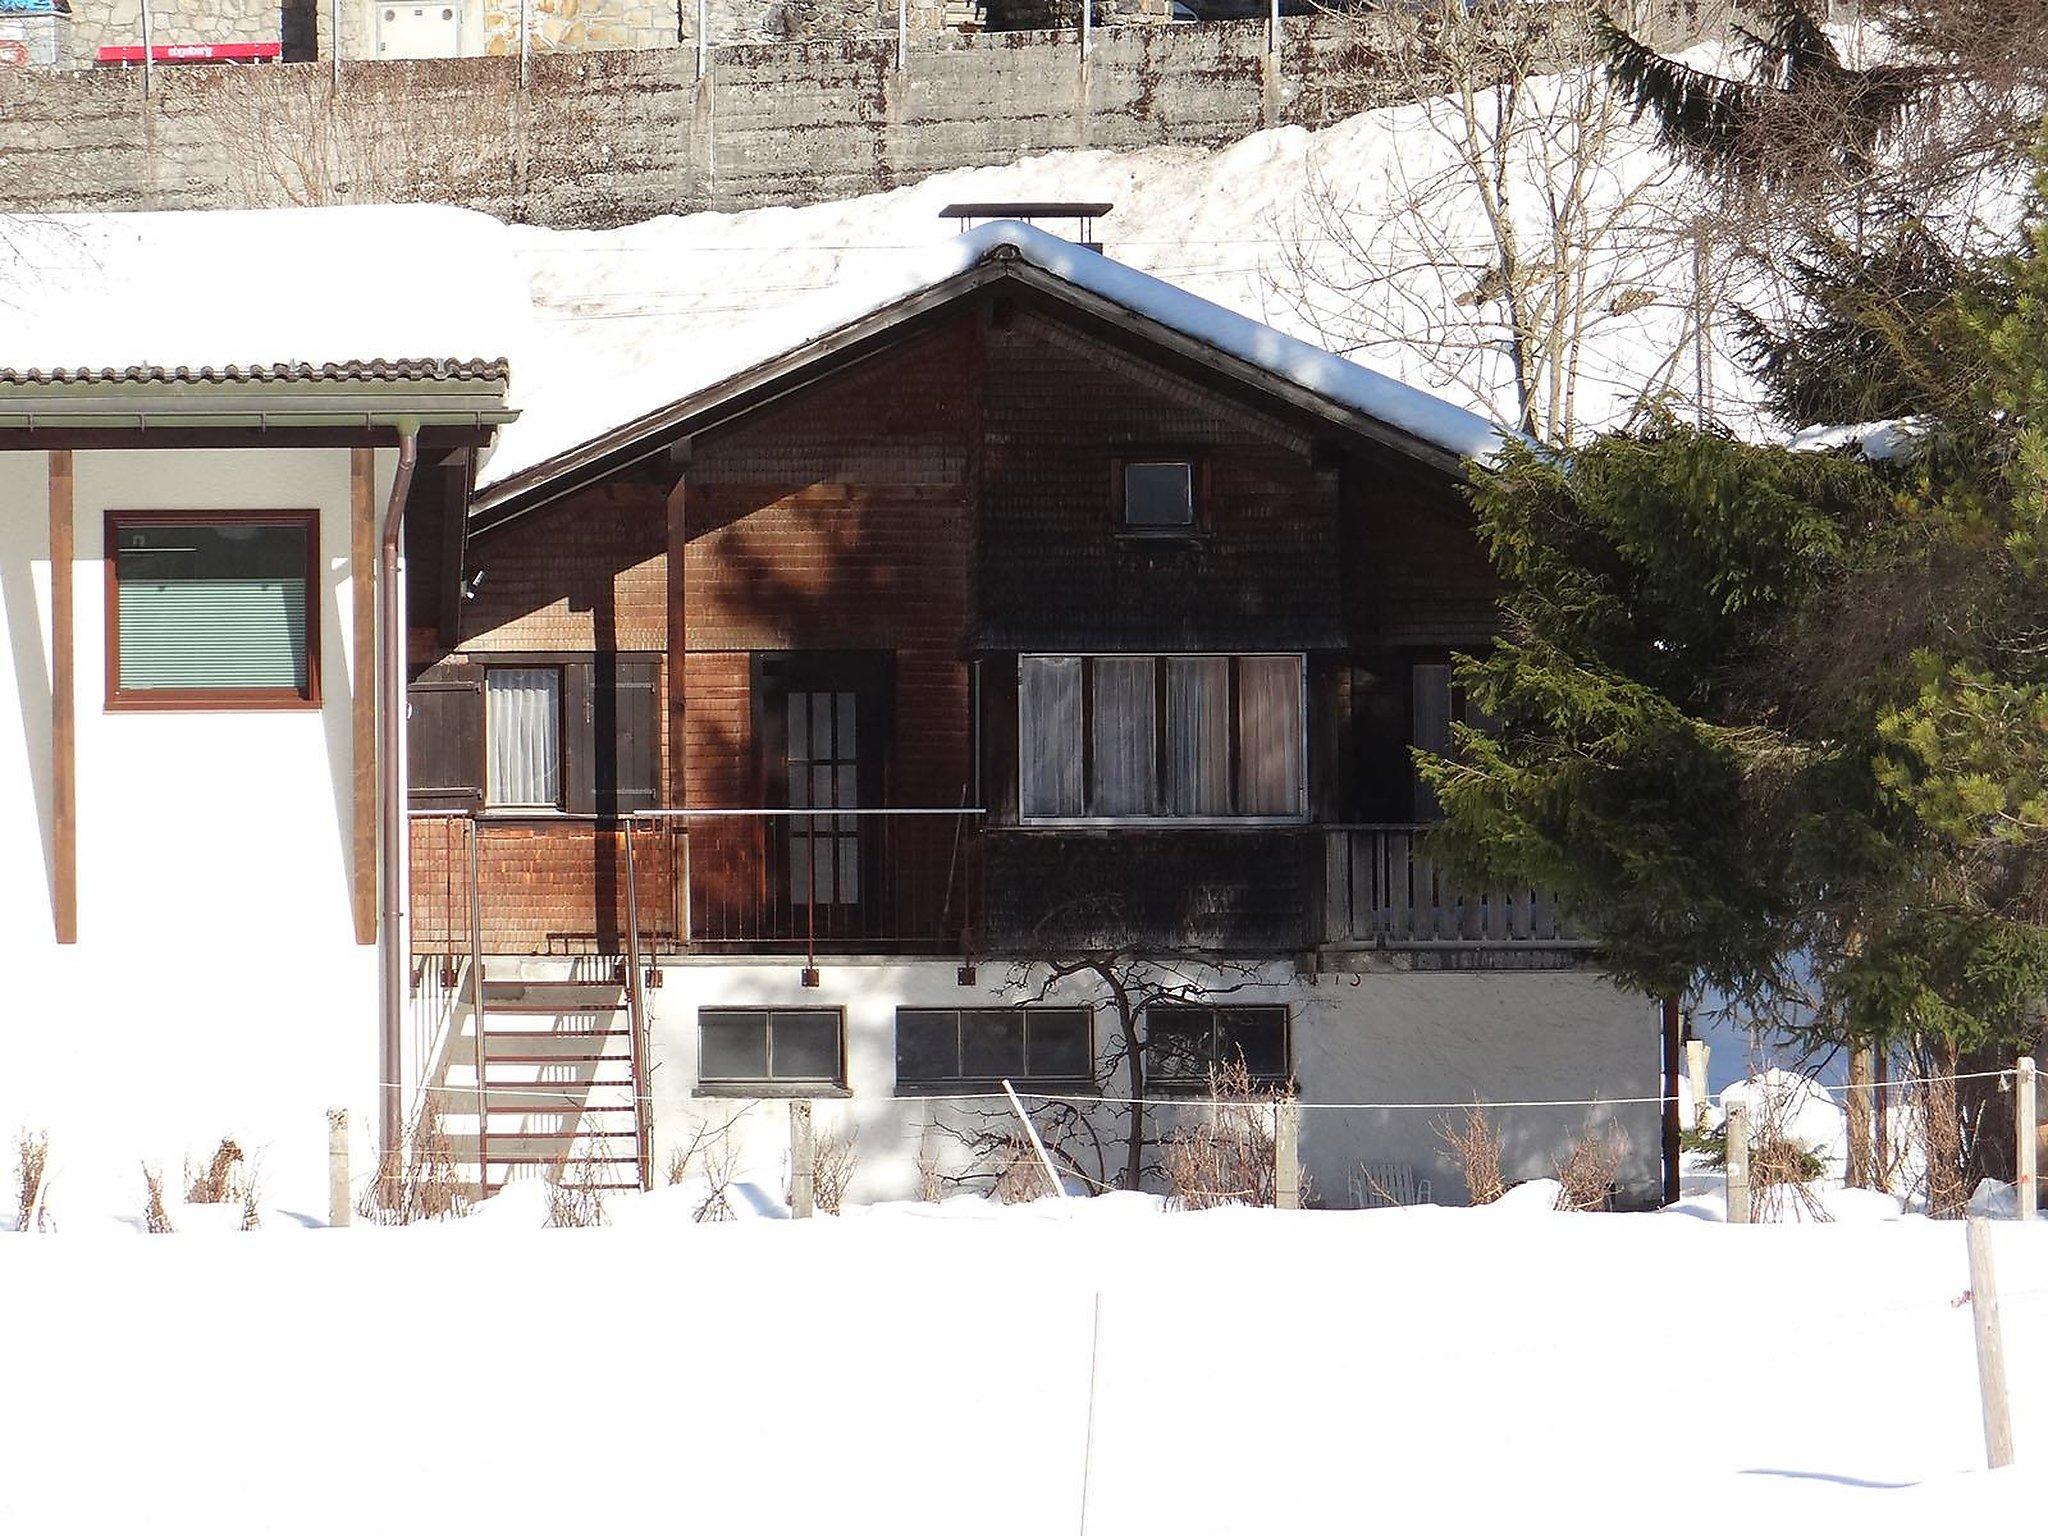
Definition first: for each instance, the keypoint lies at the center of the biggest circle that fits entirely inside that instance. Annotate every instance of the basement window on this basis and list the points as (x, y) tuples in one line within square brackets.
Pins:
[(765, 1051), (213, 610), (1185, 1042), (943, 1050)]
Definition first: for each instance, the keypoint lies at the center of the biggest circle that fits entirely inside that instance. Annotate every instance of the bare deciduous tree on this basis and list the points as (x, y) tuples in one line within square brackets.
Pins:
[(1523, 243)]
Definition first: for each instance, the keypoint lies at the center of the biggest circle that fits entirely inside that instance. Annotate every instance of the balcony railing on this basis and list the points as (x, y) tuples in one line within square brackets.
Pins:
[(1381, 889), (880, 881)]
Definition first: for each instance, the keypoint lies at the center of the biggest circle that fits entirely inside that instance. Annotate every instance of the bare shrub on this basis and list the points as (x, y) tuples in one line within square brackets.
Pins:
[(217, 1183), (721, 1166), (711, 1154), (833, 1160), (1229, 1157), (1477, 1149), (154, 1215), (1586, 1173), (1020, 1177), (251, 1219), (576, 1194), (418, 1182), (32, 1166), (930, 1184)]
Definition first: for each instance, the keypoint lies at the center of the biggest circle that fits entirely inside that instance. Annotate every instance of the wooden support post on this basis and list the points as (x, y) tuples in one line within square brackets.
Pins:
[(1990, 1348), (802, 1161), (339, 1207), (63, 701), (2027, 1137), (1738, 1163), (362, 585), (1674, 1060), (1287, 1154), (1052, 1175)]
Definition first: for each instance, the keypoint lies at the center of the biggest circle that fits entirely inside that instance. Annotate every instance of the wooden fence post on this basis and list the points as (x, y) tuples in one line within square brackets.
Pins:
[(1738, 1163), (802, 1156), (1990, 1348), (2027, 1137), (339, 1207), (1287, 1154)]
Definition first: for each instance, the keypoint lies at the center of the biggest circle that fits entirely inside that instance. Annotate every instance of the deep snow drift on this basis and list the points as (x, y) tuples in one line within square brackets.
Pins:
[(922, 1368)]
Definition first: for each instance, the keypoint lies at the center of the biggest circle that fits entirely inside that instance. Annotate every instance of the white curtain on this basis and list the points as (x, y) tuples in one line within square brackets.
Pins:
[(1049, 731), (1126, 737), (1198, 735), (1269, 733), (523, 717)]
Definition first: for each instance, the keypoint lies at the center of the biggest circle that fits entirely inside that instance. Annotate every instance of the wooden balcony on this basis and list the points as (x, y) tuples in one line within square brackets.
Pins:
[(1381, 890), (712, 882)]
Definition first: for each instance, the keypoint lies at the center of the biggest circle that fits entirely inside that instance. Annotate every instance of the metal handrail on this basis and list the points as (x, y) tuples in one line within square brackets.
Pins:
[(679, 813)]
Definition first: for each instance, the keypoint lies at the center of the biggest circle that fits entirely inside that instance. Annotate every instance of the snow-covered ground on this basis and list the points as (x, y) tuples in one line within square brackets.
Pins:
[(923, 1368)]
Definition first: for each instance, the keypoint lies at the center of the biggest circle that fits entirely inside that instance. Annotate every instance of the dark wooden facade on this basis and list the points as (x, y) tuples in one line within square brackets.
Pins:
[(898, 530)]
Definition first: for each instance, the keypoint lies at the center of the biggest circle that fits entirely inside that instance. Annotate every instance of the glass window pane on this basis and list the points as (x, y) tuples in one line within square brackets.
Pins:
[(1058, 1043), (1198, 735), (211, 606), (1269, 731), (843, 742), (821, 727), (732, 1045), (804, 1046), (1125, 737), (1259, 1035), (523, 724), (927, 1045), (798, 709), (992, 1042), (1159, 495), (1049, 735), (1178, 1043), (1429, 726)]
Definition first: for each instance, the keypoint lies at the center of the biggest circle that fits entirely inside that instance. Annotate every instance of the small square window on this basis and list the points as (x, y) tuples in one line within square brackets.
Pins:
[(1159, 494), (769, 1048)]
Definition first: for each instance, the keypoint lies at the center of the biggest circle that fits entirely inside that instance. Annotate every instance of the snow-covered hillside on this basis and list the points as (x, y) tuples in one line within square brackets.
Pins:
[(922, 1368)]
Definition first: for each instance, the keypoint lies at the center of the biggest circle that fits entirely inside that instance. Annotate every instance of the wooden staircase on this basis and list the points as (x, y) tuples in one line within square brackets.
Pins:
[(546, 1084)]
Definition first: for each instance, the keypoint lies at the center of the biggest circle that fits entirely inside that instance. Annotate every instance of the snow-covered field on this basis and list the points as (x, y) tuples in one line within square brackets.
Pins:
[(925, 1368)]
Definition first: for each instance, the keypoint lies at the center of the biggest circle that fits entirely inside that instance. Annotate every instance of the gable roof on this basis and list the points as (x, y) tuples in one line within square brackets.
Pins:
[(697, 390)]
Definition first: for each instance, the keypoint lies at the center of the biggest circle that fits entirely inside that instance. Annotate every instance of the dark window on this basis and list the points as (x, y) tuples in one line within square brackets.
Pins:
[(212, 610), (741, 1048), (941, 1048), (1159, 494), (1184, 1041), (1136, 738)]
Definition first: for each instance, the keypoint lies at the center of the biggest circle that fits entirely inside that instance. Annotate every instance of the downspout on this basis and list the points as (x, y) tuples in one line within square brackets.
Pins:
[(391, 793)]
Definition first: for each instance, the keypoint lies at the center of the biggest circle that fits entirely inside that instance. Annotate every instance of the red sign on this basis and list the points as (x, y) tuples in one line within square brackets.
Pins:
[(194, 53)]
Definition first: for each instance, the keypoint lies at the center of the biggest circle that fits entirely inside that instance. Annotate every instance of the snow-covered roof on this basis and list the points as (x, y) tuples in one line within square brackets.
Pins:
[(1878, 442), (533, 451)]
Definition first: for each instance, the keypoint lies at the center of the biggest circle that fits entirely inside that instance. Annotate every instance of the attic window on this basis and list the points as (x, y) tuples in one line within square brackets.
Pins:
[(1158, 495)]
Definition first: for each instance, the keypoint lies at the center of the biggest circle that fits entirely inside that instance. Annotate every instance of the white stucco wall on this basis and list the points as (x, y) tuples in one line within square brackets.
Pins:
[(216, 987), (1380, 1037)]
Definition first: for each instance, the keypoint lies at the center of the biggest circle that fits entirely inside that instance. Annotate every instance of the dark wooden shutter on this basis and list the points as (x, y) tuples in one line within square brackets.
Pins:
[(610, 749), (445, 738)]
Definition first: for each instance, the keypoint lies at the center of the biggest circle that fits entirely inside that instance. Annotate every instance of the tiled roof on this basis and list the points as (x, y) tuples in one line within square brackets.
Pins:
[(375, 370)]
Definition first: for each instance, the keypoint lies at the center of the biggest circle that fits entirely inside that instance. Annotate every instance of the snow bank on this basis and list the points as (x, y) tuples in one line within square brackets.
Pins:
[(921, 1368)]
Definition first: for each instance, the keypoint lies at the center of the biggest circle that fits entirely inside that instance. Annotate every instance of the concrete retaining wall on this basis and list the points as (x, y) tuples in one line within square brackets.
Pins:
[(605, 138)]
